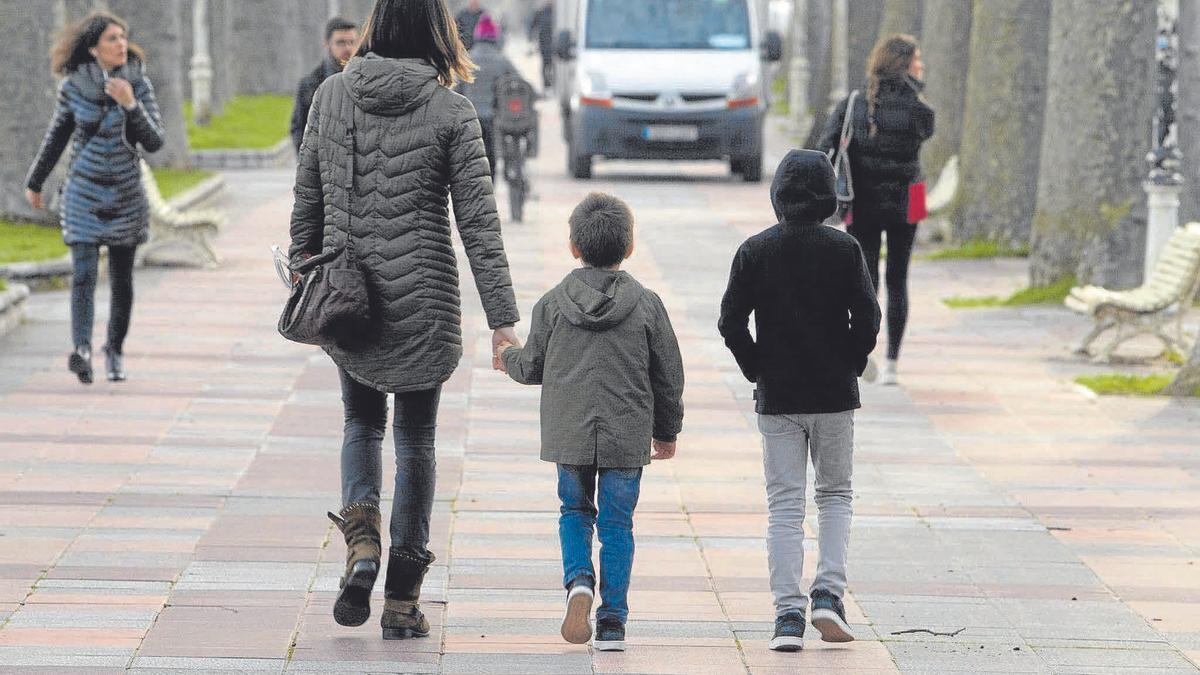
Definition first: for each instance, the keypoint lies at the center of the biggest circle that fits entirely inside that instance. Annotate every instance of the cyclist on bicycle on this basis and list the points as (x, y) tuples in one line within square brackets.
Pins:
[(493, 65)]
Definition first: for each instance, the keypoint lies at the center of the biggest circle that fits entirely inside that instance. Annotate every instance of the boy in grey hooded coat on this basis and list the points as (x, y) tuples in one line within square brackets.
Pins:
[(602, 347)]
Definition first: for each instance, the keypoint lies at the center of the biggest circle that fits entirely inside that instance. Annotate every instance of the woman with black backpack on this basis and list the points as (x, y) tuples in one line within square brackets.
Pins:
[(106, 109), (888, 123)]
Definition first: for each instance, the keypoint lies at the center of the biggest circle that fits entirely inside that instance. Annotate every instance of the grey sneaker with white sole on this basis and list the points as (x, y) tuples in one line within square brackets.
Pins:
[(577, 621), (789, 633), (610, 635)]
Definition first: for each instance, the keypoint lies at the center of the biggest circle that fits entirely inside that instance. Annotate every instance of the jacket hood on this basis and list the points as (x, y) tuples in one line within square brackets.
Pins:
[(392, 87), (803, 191), (597, 299)]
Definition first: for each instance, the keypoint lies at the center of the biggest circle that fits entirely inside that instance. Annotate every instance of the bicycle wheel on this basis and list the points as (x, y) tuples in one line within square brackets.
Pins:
[(516, 200)]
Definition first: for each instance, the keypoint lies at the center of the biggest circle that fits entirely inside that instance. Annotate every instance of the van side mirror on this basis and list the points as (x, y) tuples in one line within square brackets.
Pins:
[(772, 46), (564, 46)]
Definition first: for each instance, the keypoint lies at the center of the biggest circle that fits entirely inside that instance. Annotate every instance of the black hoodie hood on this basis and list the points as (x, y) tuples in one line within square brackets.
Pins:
[(597, 299), (803, 191)]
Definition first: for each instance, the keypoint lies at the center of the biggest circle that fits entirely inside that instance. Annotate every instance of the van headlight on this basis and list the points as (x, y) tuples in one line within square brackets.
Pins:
[(745, 91), (593, 90)]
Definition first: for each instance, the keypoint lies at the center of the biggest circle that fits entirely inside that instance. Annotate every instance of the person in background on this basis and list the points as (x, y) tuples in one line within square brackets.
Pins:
[(467, 19), (890, 123), (340, 37), (541, 33), (493, 65), (106, 109)]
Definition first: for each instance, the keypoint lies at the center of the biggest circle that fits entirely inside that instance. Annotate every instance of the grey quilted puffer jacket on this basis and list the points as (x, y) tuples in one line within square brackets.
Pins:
[(416, 144)]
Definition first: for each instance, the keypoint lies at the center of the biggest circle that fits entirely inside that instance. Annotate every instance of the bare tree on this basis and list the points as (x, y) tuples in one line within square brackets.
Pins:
[(1002, 122), (863, 17), (901, 16), (265, 46), (157, 27), (1187, 113), (28, 100), (945, 49), (1091, 214), (820, 33), (220, 33)]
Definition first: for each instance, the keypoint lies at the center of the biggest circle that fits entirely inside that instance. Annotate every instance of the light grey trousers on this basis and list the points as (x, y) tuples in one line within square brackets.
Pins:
[(788, 442)]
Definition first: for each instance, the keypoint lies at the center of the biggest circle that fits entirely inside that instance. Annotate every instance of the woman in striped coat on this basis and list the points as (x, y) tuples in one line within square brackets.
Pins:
[(106, 109)]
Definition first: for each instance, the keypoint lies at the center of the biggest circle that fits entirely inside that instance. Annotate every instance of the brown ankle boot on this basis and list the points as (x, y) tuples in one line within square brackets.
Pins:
[(359, 524), (402, 617)]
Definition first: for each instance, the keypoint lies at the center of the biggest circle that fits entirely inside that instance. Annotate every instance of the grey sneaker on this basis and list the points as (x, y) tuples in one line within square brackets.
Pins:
[(829, 617), (577, 621), (888, 376), (789, 633)]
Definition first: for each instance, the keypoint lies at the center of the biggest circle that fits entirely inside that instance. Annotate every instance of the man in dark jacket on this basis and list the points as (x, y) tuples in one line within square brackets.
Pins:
[(340, 37), (541, 33), (466, 23), (602, 347), (816, 320)]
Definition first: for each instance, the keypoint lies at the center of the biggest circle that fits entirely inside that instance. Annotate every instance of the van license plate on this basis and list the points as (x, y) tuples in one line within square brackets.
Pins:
[(675, 133)]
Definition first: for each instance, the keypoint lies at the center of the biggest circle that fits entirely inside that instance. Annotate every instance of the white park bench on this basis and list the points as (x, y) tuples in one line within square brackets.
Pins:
[(1150, 308), (171, 228)]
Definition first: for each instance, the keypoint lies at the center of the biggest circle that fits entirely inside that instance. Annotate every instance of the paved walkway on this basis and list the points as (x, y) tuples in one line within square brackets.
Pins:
[(176, 522)]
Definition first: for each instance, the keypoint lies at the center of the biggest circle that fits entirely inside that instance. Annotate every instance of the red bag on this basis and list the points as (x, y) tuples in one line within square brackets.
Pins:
[(917, 208)]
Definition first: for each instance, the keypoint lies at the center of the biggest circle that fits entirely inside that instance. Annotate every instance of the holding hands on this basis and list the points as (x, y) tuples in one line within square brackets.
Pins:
[(502, 338)]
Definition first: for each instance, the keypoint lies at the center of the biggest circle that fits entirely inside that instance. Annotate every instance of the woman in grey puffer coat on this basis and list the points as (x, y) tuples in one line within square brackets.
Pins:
[(386, 147), (106, 108)]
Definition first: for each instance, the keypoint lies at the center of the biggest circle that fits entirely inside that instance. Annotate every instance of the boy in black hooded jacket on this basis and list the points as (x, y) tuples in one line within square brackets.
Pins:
[(816, 319)]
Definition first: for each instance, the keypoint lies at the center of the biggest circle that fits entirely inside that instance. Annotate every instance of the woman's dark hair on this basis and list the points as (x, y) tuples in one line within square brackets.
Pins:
[(890, 59), (418, 29), (71, 49)]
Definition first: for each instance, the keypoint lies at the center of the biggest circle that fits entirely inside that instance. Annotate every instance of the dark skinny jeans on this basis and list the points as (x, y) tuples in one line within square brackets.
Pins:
[(900, 237), (85, 260), (413, 429)]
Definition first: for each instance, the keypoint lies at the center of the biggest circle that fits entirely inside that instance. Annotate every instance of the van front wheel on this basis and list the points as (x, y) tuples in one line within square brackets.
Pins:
[(750, 168)]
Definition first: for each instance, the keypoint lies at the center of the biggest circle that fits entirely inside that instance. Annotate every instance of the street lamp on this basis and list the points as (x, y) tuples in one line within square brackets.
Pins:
[(1164, 182)]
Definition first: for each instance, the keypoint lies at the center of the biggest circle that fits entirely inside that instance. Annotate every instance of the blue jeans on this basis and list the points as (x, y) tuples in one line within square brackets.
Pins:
[(85, 259), (618, 497), (413, 429)]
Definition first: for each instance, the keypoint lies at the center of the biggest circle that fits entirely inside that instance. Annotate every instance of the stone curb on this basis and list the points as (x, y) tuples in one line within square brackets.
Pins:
[(277, 155), (12, 307)]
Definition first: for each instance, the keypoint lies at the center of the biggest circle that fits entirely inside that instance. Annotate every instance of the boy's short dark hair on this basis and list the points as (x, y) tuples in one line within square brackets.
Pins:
[(338, 23), (602, 229)]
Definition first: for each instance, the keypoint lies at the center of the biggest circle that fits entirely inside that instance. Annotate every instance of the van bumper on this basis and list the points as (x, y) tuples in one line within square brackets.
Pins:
[(621, 134)]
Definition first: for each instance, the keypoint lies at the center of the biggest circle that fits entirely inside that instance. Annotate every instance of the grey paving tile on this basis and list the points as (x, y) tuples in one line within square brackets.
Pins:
[(189, 664), (517, 664)]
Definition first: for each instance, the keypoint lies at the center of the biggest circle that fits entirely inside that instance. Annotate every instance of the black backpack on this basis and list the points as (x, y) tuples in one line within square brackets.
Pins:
[(515, 114)]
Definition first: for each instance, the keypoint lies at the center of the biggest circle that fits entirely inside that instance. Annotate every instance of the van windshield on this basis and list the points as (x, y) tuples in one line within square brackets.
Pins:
[(668, 24)]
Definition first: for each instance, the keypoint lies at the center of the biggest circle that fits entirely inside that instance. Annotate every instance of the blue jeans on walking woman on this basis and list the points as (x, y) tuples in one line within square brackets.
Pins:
[(617, 497), (413, 429)]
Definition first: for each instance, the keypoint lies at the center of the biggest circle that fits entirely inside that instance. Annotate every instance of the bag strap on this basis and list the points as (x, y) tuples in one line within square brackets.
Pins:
[(843, 149), (847, 119)]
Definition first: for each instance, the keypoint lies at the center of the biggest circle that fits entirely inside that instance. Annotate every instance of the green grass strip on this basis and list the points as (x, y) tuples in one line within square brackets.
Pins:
[(247, 123), (1126, 385), (175, 181), (1034, 295), (25, 242), (978, 250)]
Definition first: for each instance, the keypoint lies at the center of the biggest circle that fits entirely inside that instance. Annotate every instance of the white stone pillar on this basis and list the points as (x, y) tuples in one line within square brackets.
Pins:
[(839, 52), (201, 73), (1162, 202), (798, 68)]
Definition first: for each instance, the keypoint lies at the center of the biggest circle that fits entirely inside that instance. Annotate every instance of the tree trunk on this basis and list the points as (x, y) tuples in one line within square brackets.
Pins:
[(901, 16), (28, 100), (863, 17), (1091, 208), (945, 49), (156, 26), (820, 13), (1187, 381), (1002, 122), (259, 69), (220, 34), (186, 46), (1187, 108), (313, 15), (359, 10)]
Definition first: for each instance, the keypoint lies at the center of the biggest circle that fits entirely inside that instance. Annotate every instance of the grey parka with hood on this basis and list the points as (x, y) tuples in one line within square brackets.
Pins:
[(602, 347), (416, 144)]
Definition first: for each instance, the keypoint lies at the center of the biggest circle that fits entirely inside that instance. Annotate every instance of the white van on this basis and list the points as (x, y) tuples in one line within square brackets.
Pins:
[(663, 79)]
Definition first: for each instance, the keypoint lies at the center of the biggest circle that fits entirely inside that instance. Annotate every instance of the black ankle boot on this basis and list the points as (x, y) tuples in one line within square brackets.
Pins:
[(80, 363), (114, 364), (402, 617)]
